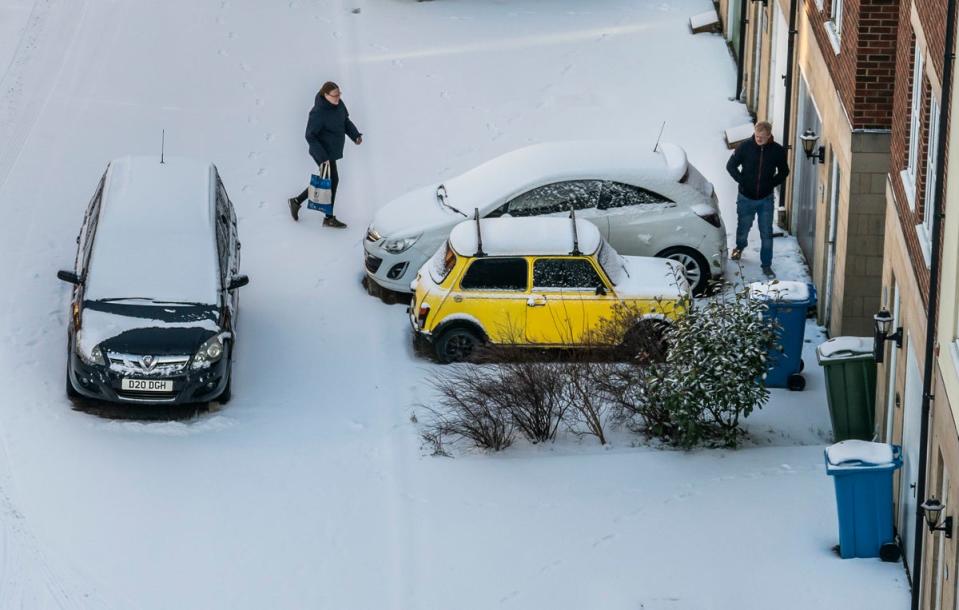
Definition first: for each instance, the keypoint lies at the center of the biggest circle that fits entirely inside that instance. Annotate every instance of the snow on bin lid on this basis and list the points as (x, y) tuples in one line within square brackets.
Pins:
[(845, 346), (859, 453), (780, 291)]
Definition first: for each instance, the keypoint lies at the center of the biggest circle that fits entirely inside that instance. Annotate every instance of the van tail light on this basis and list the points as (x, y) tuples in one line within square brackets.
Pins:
[(421, 314), (711, 216)]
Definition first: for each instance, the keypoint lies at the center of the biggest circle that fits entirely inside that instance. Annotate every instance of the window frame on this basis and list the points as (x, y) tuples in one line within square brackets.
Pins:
[(486, 259), (606, 195), (505, 207), (929, 195), (603, 281), (915, 124)]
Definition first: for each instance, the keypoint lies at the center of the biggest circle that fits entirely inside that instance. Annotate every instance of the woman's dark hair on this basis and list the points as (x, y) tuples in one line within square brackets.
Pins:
[(328, 87)]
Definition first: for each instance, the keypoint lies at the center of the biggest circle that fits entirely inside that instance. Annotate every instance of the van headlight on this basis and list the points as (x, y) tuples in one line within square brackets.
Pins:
[(94, 357), (398, 246), (209, 352)]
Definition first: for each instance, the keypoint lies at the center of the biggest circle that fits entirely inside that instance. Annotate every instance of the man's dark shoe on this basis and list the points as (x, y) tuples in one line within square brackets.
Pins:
[(736, 254), (295, 208), (331, 221), (768, 271)]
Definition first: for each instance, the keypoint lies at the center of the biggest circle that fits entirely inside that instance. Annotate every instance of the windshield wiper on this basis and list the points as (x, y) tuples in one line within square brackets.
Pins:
[(443, 198), (150, 299)]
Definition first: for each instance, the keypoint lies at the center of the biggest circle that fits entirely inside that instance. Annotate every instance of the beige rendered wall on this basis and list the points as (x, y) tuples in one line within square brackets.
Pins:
[(836, 136), (912, 315), (860, 237), (939, 564)]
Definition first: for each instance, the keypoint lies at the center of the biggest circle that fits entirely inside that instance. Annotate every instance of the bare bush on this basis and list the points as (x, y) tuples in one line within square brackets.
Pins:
[(468, 408)]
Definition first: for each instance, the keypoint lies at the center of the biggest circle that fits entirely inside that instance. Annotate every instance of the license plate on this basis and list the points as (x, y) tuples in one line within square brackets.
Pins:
[(146, 385)]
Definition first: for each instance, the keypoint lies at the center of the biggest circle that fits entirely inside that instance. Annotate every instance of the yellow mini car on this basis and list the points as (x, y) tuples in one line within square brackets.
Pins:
[(536, 282)]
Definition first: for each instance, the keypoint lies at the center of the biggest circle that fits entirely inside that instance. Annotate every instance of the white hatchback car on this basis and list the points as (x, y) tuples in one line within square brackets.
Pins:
[(644, 203)]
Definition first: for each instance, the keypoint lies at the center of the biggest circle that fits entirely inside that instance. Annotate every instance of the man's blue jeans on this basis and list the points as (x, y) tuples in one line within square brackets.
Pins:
[(746, 210)]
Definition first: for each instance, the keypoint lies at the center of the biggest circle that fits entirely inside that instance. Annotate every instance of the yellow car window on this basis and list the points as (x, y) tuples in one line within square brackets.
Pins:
[(496, 274), (566, 273)]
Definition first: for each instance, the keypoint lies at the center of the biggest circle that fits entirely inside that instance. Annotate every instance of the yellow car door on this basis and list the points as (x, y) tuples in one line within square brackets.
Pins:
[(568, 300), (493, 292)]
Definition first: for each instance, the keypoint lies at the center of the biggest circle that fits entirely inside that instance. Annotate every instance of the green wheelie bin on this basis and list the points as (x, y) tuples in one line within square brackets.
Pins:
[(850, 369)]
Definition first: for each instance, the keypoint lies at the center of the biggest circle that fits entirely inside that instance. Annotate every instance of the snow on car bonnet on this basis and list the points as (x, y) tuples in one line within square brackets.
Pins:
[(525, 237), (858, 453), (791, 292), (155, 238)]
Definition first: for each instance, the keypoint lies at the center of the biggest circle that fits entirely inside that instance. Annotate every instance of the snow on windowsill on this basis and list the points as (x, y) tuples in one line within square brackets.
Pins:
[(833, 35), (909, 185), (925, 244)]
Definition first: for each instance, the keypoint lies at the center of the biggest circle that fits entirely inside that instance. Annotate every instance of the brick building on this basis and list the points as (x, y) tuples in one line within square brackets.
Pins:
[(910, 193)]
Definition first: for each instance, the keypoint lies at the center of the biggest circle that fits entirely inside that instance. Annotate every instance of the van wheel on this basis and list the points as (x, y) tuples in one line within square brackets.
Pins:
[(646, 341), (695, 265), (457, 345)]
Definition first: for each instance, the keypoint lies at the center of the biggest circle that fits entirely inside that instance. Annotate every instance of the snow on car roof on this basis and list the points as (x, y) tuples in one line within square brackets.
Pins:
[(155, 237), (525, 237), (554, 161)]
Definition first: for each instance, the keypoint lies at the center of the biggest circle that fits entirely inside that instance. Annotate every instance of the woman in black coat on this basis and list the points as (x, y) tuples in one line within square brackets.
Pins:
[(326, 132)]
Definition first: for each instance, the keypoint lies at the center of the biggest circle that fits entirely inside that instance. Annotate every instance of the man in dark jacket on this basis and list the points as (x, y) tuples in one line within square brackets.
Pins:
[(758, 165), (326, 130)]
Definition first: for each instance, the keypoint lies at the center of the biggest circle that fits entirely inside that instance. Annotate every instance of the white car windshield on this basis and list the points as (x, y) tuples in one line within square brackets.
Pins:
[(613, 264)]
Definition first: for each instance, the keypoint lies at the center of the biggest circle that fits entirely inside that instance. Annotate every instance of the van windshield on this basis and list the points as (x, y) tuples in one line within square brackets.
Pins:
[(442, 263)]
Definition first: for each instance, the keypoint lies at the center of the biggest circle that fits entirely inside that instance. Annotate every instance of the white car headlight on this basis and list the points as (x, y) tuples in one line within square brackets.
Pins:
[(209, 352), (94, 357), (397, 246)]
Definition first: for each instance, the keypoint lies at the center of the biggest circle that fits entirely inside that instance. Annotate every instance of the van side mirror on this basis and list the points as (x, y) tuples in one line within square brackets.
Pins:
[(238, 282), (69, 276), (600, 291)]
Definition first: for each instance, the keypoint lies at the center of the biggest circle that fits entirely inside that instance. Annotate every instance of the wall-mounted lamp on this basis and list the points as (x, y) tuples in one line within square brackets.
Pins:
[(809, 140), (932, 509), (882, 325)]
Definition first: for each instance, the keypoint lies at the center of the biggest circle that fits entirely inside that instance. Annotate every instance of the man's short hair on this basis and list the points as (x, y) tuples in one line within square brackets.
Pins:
[(764, 126)]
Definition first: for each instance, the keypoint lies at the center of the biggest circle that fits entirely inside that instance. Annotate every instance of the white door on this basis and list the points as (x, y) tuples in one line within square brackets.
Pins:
[(892, 368), (911, 422), (776, 103)]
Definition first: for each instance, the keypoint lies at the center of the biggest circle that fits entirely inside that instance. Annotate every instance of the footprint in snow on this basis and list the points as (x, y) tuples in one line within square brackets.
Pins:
[(222, 53)]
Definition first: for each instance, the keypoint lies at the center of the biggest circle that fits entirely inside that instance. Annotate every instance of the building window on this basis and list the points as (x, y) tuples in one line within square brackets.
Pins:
[(835, 15), (929, 198), (915, 125)]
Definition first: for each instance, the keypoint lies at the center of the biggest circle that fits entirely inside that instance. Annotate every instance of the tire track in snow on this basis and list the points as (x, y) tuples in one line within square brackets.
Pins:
[(34, 72), (27, 578)]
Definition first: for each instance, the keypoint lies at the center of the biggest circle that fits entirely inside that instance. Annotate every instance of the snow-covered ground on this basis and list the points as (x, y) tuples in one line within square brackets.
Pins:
[(310, 489)]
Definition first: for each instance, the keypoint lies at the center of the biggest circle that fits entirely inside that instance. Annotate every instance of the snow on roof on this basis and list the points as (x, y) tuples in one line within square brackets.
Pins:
[(531, 166), (525, 236), (155, 236), (859, 453), (838, 347), (776, 290)]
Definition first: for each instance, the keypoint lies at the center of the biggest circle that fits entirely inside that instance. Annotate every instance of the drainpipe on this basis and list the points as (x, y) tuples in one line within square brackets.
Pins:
[(932, 308), (788, 106), (740, 69)]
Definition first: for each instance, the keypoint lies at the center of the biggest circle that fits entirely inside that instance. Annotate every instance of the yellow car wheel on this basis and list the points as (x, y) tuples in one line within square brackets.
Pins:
[(457, 345)]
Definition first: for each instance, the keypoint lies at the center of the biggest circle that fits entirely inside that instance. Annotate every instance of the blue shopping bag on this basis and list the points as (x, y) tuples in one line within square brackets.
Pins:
[(321, 190)]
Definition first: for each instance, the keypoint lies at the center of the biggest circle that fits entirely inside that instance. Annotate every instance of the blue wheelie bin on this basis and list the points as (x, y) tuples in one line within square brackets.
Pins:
[(787, 304), (862, 472)]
